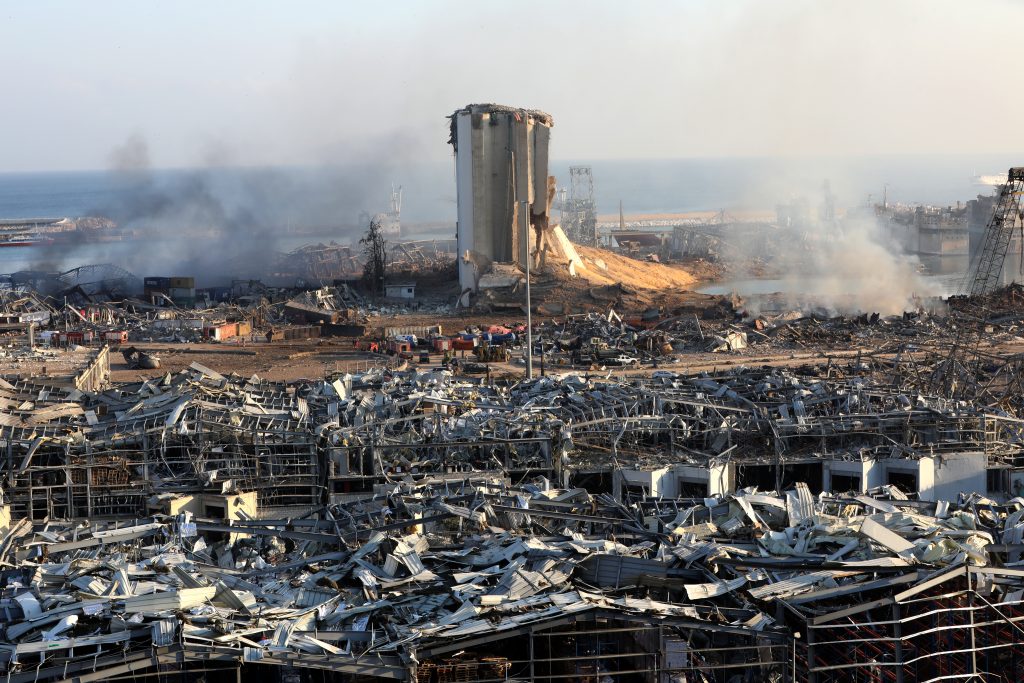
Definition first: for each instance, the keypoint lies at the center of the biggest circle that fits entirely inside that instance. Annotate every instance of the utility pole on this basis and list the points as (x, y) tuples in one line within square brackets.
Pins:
[(529, 319)]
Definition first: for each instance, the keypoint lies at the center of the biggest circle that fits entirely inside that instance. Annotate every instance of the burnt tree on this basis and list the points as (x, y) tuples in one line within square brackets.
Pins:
[(375, 252)]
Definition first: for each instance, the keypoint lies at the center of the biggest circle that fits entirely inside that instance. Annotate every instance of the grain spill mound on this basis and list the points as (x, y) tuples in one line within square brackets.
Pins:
[(601, 267), (629, 271)]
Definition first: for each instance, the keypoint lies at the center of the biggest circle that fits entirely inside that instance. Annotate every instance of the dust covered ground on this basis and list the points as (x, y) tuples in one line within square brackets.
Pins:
[(279, 361), (608, 281), (629, 287)]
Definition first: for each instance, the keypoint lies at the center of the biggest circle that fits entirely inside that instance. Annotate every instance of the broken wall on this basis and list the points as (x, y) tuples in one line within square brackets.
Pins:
[(946, 476)]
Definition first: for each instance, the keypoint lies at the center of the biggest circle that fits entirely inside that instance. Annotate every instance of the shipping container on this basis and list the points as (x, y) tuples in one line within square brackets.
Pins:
[(71, 338), (418, 330), (290, 333), (399, 346), (343, 330), (221, 332)]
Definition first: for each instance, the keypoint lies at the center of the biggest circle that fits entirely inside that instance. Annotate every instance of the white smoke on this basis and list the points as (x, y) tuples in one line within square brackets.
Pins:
[(855, 269), (826, 260)]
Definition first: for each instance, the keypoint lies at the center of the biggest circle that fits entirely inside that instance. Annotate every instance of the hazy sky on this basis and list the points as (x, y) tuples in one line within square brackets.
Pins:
[(313, 82)]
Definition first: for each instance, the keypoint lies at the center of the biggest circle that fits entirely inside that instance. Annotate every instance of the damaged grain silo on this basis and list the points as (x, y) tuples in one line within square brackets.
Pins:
[(501, 160)]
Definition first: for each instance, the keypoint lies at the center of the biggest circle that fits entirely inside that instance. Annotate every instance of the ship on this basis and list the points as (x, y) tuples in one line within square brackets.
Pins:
[(35, 232), (22, 241), (29, 232), (992, 180), (390, 220)]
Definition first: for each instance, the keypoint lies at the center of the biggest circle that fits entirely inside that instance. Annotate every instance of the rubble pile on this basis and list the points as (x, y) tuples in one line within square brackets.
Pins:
[(320, 263), (286, 441), (324, 305), (758, 417), (423, 256), (409, 523), (392, 586), (24, 307), (97, 304), (652, 335)]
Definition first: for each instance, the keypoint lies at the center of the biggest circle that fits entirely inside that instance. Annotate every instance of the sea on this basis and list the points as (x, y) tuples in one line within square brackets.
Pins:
[(281, 208)]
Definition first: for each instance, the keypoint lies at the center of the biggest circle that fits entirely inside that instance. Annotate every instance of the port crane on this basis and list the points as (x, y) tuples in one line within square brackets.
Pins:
[(957, 375)]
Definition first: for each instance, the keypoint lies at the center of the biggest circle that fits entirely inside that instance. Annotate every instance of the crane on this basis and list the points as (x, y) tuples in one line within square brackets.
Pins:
[(959, 371)]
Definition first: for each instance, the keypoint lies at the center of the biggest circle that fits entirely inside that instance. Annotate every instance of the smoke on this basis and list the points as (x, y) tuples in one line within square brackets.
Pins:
[(131, 156), (217, 223), (854, 268), (830, 260)]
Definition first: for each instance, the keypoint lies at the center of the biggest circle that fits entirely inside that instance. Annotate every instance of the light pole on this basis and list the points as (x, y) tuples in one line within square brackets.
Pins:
[(529, 318)]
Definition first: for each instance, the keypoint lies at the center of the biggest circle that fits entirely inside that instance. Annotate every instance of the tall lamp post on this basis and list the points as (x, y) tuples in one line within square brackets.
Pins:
[(529, 318)]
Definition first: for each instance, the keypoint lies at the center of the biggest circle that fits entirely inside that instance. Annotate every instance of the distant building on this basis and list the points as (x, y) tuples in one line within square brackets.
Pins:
[(180, 290), (404, 290), (941, 231), (979, 215), (390, 221)]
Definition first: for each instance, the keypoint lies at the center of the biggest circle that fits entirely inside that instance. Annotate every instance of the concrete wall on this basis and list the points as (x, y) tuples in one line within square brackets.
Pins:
[(874, 473), (400, 291), (944, 477), (722, 479), (466, 204), (843, 468), (717, 480), (885, 468), (939, 477), (96, 375), (222, 332), (871, 473), (236, 506), (649, 479)]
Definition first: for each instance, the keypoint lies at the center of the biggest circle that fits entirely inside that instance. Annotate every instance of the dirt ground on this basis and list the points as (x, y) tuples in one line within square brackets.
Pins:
[(666, 287), (311, 360), (279, 361)]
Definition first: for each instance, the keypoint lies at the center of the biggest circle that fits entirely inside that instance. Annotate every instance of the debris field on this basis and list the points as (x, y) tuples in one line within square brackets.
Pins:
[(419, 525)]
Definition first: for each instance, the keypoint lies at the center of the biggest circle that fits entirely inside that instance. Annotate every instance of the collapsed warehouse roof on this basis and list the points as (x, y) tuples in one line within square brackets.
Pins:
[(433, 580), (410, 524), (295, 444)]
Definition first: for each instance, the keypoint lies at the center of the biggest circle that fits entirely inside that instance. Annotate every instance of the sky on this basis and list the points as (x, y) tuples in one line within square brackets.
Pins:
[(89, 85)]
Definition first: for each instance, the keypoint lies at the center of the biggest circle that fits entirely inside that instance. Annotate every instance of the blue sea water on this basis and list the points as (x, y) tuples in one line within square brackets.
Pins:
[(338, 195), (38, 195)]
